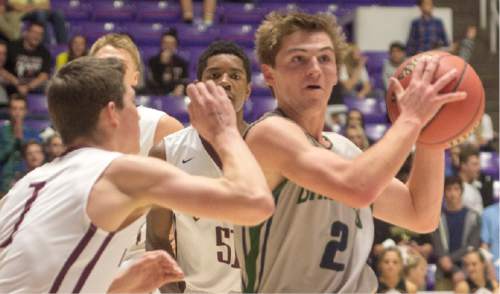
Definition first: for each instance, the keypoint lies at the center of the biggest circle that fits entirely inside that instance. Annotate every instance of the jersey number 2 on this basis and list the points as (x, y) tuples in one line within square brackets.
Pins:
[(340, 231)]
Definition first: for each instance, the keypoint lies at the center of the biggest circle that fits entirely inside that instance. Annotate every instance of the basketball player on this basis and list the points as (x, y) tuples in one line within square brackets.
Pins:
[(325, 190), (204, 248), (154, 124), (64, 226)]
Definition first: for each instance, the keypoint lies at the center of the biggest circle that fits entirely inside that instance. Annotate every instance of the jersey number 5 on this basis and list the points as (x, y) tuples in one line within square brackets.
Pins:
[(223, 234), (341, 231)]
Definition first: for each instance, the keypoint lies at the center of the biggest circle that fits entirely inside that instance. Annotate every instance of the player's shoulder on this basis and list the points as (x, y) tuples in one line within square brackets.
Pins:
[(146, 112), (273, 127)]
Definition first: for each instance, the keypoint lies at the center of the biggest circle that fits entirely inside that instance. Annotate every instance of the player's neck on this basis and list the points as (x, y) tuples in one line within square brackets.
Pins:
[(241, 123), (311, 120)]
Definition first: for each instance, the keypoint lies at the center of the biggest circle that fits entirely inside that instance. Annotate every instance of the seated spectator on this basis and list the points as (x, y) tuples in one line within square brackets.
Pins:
[(168, 71), (208, 11), (458, 229), (12, 136), (33, 155), (356, 118), (415, 270), (54, 147), (454, 167), (397, 56), (483, 135), (490, 234), (10, 22), (357, 135), (40, 11), (465, 47), (390, 273), (475, 269), (426, 32), (4, 75), (353, 75), (77, 47), (29, 62)]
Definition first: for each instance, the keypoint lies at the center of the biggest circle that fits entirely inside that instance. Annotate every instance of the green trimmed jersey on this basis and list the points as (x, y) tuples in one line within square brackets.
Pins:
[(311, 243)]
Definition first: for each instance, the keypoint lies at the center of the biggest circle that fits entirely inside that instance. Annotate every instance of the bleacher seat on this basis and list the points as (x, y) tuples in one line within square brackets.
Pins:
[(73, 10), (114, 11), (489, 163), (94, 30), (199, 35), (372, 109), (261, 105), (375, 131), (145, 34), (242, 13), (37, 124), (37, 105), (243, 35), (175, 106), (158, 11)]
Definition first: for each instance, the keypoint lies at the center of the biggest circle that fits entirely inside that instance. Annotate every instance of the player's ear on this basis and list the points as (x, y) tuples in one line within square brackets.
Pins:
[(268, 73), (110, 112)]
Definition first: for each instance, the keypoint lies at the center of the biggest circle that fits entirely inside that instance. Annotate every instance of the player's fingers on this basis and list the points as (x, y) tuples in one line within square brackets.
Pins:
[(445, 79), (430, 69), (452, 97), (202, 89), (419, 69), (397, 88), (193, 93)]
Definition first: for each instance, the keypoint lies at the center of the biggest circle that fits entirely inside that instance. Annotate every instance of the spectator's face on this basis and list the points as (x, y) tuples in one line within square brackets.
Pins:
[(397, 55), (55, 147), (472, 167), (168, 43), (453, 196), (356, 137), (3, 54), (455, 155), (305, 70), (17, 109), (34, 156), (354, 118), (228, 71), (34, 35), (131, 70), (426, 7), (78, 46), (417, 274), (390, 265), (473, 266)]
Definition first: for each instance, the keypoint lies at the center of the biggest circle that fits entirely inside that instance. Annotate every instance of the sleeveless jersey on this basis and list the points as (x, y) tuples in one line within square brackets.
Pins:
[(148, 121), (205, 248), (311, 244), (47, 241)]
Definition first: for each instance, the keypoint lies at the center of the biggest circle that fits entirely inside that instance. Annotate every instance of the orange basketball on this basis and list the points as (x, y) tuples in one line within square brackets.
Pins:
[(454, 121)]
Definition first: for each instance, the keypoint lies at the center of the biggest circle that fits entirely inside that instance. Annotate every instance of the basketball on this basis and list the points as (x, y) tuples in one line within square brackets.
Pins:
[(454, 121)]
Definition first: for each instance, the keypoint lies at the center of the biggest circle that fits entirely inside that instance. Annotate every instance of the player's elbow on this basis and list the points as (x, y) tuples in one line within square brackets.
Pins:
[(257, 208), (425, 226)]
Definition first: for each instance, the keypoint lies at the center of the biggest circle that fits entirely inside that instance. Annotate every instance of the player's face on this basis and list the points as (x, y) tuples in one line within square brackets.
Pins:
[(128, 129), (453, 195), (131, 73), (305, 70), (227, 71), (391, 264), (473, 266)]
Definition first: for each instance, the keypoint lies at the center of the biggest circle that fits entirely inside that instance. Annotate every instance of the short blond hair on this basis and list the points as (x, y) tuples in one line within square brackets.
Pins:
[(118, 41), (277, 25)]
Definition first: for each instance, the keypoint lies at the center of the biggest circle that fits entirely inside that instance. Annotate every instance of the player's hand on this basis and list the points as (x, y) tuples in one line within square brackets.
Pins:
[(421, 100), (151, 271), (210, 110)]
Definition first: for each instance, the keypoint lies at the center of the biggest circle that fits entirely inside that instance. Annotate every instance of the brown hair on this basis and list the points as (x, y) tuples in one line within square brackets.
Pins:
[(277, 25), (118, 41), (78, 92), (387, 250)]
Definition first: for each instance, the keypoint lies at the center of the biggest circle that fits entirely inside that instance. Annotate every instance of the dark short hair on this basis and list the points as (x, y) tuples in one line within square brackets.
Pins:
[(18, 97), (80, 90), (170, 32), (27, 144), (35, 23), (397, 45), (466, 151), (223, 47), (453, 180)]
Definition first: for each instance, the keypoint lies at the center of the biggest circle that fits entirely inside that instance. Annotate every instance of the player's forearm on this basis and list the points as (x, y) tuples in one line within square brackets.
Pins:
[(426, 184), (242, 171)]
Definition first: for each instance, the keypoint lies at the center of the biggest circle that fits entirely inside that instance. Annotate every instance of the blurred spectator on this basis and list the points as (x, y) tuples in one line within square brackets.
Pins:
[(12, 136), (469, 171), (357, 135), (28, 61), (483, 134), (77, 47), (33, 155), (465, 47), (459, 229), (391, 276), (397, 56), (335, 117), (208, 11), (4, 74), (10, 22), (40, 11), (168, 71), (54, 147), (426, 32), (477, 281), (356, 118), (415, 270), (353, 75), (454, 167), (490, 234)]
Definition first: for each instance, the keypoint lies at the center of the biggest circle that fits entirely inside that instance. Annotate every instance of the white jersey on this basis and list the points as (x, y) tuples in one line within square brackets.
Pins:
[(148, 121), (205, 248), (47, 241)]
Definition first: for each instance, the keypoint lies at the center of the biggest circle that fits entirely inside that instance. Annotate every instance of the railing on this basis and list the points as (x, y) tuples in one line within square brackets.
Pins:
[(493, 21)]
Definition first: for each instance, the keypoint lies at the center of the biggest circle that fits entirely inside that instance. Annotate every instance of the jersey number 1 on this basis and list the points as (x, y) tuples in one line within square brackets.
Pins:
[(341, 231)]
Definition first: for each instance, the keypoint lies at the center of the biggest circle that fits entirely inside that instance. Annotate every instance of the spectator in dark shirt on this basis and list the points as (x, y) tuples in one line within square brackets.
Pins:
[(29, 62), (168, 72), (427, 32), (4, 74)]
